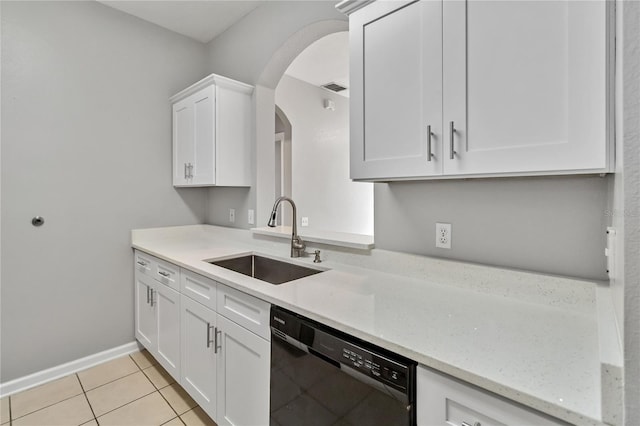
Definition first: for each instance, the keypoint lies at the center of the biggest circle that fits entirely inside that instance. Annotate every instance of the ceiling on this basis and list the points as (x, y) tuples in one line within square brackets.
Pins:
[(325, 61), (200, 20)]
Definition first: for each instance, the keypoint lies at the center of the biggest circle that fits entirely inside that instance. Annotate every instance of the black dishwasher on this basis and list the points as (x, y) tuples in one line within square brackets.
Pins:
[(321, 376)]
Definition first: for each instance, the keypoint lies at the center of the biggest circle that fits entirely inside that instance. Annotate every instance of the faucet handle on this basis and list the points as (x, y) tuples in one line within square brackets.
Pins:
[(317, 259)]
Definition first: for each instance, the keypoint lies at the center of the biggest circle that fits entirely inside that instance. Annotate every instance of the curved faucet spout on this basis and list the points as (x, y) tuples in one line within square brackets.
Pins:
[(297, 245)]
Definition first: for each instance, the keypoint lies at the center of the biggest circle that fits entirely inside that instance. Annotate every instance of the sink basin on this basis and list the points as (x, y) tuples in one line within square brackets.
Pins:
[(266, 269)]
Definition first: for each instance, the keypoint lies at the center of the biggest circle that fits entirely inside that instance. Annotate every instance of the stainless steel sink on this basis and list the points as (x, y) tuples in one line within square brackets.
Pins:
[(266, 269)]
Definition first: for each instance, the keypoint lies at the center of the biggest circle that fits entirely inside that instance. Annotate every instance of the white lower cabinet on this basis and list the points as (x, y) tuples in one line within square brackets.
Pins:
[(157, 319), (145, 318), (166, 301), (444, 401), (225, 367), (212, 339), (197, 339), (243, 376)]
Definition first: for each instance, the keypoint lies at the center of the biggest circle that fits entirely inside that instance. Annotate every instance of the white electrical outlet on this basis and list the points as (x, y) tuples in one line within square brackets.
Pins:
[(443, 235), (304, 221), (250, 218), (232, 215)]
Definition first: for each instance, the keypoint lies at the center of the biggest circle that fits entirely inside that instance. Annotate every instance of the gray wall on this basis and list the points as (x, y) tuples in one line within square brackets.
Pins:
[(257, 50), (553, 225), (321, 186), (86, 143)]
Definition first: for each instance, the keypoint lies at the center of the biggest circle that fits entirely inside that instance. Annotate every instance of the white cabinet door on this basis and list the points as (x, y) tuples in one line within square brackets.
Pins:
[(243, 376), (183, 137), (525, 86), (145, 317), (204, 158), (167, 304), (396, 90), (443, 401), (197, 341)]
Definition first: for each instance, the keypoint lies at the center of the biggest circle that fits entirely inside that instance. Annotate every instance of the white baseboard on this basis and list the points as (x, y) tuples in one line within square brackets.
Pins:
[(41, 377)]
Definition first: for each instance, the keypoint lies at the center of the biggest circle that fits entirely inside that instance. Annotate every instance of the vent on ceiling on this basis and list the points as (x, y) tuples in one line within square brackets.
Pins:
[(334, 87)]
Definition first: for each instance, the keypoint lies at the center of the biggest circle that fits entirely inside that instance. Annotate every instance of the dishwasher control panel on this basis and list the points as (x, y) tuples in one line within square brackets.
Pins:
[(374, 365)]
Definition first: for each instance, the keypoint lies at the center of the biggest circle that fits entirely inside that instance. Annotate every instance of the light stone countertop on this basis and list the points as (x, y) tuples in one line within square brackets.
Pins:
[(537, 347)]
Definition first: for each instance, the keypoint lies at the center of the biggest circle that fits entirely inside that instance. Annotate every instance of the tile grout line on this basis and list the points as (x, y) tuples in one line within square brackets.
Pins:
[(47, 406), (140, 370), (84, 393), (168, 403), (108, 383), (139, 366), (87, 398), (154, 385), (124, 405), (179, 419)]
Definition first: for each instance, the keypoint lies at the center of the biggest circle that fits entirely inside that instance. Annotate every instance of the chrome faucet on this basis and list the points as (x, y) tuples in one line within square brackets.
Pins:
[(297, 245)]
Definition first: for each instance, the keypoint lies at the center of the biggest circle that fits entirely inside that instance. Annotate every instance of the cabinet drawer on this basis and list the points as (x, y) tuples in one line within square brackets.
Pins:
[(143, 263), (167, 273), (245, 310), (199, 288), (445, 401)]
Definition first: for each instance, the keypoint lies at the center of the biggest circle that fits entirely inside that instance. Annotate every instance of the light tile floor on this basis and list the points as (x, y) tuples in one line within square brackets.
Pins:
[(132, 390)]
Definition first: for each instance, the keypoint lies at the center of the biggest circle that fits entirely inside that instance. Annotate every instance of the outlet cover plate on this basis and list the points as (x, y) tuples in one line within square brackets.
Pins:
[(443, 235)]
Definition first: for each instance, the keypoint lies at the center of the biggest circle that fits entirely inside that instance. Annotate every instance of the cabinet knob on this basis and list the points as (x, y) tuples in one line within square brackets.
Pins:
[(37, 221)]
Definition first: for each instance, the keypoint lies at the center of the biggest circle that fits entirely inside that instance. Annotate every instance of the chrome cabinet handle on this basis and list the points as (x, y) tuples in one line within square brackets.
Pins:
[(452, 130), (164, 274), (151, 301), (469, 424), (209, 326), (429, 154), (216, 347), (141, 263)]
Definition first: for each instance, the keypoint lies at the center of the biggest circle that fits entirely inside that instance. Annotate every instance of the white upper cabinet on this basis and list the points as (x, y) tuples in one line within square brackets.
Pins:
[(212, 122), (396, 74), (506, 88)]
